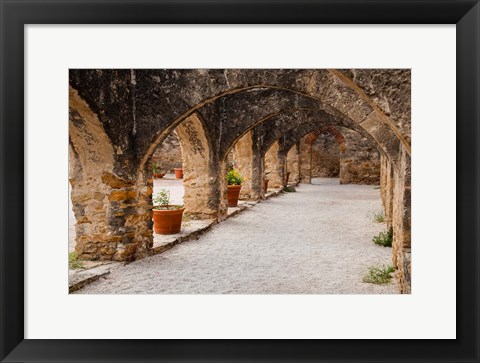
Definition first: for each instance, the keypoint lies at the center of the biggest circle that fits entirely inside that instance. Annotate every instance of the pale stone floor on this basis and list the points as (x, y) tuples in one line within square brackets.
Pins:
[(315, 241)]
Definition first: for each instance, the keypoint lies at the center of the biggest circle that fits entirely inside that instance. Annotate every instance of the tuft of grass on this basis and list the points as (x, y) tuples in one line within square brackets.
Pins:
[(379, 217), (289, 189), (384, 238), (73, 261), (378, 275)]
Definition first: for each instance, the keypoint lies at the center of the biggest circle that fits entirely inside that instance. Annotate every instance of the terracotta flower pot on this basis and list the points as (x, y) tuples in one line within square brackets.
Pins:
[(232, 195), (286, 179), (178, 173), (167, 221), (265, 184), (158, 175)]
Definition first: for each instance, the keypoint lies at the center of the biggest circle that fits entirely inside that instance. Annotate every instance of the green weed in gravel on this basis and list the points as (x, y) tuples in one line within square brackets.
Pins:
[(379, 217), (73, 261), (378, 275), (384, 238)]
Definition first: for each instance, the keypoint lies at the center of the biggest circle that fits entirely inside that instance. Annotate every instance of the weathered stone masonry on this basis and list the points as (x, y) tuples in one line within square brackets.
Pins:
[(396, 197), (118, 118), (169, 154)]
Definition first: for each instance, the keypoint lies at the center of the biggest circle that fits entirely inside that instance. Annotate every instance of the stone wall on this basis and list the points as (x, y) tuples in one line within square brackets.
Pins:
[(395, 188), (401, 220), (325, 157), (342, 153), (359, 160), (169, 154), (113, 218)]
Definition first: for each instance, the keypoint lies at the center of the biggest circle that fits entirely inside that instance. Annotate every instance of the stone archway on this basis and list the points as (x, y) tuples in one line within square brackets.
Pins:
[(137, 108), (179, 93)]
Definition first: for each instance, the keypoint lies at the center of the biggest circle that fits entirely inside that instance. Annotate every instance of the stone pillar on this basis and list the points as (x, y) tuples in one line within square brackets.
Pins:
[(274, 165), (401, 223), (387, 183), (293, 164), (218, 189), (305, 160), (243, 155), (258, 173), (200, 171), (113, 217)]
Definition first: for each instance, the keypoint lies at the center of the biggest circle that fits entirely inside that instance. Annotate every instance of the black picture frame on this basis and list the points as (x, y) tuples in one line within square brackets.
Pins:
[(15, 14)]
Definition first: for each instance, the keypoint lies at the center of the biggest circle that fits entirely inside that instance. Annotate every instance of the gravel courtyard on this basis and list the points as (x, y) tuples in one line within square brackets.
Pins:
[(315, 241)]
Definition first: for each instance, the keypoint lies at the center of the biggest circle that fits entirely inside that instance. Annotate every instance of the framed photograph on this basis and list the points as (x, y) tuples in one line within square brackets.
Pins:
[(240, 181)]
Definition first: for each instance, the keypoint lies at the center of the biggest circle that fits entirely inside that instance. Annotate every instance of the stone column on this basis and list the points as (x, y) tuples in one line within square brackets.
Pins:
[(274, 165), (401, 247), (387, 183), (218, 188), (293, 164), (305, 160), (113, 215), (243, 155), (200, 170), (258, 173), (112, 211)]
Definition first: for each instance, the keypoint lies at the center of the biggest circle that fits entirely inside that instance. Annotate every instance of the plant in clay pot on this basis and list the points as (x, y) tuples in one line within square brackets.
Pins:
[(234, 180), (178, 170), (167, 218), (157, 172)]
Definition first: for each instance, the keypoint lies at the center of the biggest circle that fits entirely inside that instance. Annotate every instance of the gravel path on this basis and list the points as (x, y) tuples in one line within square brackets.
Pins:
[(315, 241)]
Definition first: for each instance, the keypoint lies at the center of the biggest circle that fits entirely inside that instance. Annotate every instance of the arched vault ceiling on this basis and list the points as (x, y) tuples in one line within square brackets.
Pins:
[(294, 135), (273, 129), (137, 107)]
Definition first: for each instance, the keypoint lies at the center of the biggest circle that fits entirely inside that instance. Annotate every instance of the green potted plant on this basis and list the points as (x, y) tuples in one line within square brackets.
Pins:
[(178, 172), (167, 218), (157, 173), (234, 181)]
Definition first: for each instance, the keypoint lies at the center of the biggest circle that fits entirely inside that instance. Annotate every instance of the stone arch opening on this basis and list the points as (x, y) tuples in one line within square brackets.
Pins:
[(358, 108), (154, 102), (187, 147), (326, 146), (358, 156), (263, 133)]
